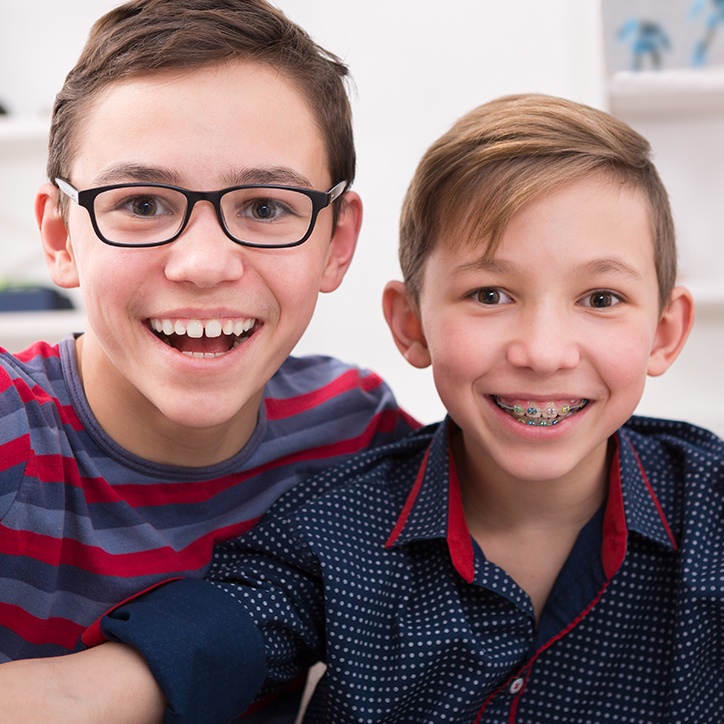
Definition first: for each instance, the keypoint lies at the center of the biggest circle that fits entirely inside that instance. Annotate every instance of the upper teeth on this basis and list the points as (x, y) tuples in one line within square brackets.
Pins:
[(198, 327)]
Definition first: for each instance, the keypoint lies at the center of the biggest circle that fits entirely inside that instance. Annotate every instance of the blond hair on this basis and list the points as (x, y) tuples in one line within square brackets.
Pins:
[(504, 154)]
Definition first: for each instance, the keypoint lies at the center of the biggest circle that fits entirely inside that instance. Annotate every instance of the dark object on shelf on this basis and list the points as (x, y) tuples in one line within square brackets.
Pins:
[(32, 299)]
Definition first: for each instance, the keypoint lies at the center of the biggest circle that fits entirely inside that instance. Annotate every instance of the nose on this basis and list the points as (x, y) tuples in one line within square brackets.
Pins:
[(203, 255), (544, 341)]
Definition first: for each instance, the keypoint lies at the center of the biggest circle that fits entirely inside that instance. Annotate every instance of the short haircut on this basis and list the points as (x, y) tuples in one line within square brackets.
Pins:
[(506, 153), (148, 36)]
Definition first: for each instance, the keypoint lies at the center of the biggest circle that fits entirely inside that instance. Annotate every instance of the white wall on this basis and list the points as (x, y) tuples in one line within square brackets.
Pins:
[(417, 67)]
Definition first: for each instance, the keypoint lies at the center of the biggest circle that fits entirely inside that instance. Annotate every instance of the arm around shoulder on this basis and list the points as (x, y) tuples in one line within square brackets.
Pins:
[(203, 648)]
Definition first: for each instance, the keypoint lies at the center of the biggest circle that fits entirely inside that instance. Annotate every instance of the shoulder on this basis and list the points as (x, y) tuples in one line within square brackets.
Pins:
[(320, 374), (312, 393), (381, 475), (684, 464), (30, 375), (670, 442)]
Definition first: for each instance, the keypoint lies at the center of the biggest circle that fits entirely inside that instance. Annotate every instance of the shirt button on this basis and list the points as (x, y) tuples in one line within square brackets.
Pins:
[(517, 685)]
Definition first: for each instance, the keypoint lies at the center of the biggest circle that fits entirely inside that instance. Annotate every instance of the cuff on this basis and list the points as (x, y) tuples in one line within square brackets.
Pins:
[(201, 645)]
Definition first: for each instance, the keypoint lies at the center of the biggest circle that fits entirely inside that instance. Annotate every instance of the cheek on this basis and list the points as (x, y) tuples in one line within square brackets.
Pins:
[(461, 353), (623, 363)]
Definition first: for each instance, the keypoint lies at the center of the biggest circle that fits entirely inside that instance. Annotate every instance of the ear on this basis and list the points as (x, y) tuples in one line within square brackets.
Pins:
[(55, 237), (404, 322), (672, 332), (343, 243)]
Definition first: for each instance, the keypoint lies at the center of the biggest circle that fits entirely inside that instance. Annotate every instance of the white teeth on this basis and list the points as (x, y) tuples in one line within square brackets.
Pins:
[(213, 328), (196, 328), (204, 355)]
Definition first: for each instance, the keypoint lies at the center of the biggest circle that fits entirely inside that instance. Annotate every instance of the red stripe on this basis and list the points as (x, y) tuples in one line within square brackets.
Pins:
[(277, 409), (36, 395), (180, 493), (15, 452), (405, 514), (39, 631), (38, 349), (655, 500), (64, 551)]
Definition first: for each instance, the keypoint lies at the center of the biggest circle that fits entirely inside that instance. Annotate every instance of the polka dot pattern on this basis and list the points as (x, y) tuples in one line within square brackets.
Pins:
[(406, 639)]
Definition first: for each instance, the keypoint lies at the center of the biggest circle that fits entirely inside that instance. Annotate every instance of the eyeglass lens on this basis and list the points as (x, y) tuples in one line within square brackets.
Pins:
[(147, 214)]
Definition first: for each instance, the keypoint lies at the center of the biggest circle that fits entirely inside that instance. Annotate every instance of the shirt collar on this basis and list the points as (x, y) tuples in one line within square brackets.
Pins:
[(643, 511), (433, 509)]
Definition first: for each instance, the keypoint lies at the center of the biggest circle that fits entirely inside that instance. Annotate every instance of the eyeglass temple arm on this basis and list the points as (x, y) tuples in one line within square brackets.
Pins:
[(336, 191), (69, 191)]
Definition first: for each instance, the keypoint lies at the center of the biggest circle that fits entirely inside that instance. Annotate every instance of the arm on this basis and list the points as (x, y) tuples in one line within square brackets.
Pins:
[(90, 686), (203, 648)]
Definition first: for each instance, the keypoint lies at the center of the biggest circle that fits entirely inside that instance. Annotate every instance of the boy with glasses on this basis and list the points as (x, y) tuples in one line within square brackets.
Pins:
[(200, 160)]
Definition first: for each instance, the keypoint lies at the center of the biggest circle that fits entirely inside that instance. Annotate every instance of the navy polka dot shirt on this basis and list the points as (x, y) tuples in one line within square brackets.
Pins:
[(369, 567)]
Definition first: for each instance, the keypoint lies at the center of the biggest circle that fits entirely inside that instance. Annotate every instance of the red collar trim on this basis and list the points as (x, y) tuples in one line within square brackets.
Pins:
[(411, 498), (459, 540), (458, 536)]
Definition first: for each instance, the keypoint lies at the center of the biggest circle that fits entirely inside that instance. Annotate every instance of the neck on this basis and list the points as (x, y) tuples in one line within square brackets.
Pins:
[(143, 430), (529, 527), (492, 499)]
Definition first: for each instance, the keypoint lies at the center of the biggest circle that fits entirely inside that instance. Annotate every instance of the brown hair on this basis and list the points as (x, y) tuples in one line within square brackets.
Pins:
[(505, 153), (145, 36)]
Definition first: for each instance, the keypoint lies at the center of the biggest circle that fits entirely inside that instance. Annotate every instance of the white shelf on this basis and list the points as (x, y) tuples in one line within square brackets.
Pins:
[(14, 129), (20, 329), (677, 92)]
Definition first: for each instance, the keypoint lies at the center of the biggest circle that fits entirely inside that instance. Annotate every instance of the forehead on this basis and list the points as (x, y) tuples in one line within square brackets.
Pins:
[(202, 125), (581, 222)]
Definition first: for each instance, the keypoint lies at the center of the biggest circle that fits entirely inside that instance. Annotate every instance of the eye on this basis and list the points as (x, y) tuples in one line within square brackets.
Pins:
[(491, 296), (264, 209), (601, 299), (144, 206)]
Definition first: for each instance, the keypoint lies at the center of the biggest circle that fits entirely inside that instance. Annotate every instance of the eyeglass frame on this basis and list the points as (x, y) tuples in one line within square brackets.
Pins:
[(86, 198)]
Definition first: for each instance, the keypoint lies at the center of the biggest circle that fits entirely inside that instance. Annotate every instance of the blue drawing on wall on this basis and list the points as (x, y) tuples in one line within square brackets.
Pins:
[(713, 19), (647, 41)]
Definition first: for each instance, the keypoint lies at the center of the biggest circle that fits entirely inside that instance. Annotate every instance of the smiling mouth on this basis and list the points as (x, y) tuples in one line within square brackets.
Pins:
[(203, 339), (539, 413)]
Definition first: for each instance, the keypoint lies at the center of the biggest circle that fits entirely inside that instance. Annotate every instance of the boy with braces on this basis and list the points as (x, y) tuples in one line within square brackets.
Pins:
[(496, 566)]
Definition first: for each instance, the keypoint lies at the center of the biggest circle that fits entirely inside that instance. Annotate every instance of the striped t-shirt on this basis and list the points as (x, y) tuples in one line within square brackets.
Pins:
[(84, 524)]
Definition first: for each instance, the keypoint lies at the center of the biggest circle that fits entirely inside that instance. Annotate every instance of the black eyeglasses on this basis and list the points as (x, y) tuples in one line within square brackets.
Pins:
[(264, 215)]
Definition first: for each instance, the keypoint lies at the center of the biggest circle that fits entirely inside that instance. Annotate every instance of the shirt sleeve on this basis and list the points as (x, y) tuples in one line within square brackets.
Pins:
[(203, 648), (214, 648)]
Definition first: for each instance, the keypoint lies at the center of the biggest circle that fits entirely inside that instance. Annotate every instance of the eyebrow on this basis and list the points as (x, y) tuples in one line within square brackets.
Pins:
[(141, 173), (605, 266), (594, 267)]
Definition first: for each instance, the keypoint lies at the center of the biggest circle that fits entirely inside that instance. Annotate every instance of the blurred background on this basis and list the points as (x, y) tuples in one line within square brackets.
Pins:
[(417, 67)]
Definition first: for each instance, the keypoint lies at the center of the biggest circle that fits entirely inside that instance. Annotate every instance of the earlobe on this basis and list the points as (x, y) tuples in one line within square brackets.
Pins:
[(672, 332), (343, 243), (404, 322), (55, 238)]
